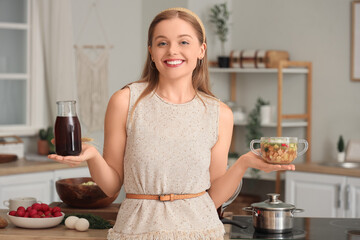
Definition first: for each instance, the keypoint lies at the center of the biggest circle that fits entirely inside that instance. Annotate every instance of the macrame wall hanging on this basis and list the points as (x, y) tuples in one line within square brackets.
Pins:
[(92, 77)]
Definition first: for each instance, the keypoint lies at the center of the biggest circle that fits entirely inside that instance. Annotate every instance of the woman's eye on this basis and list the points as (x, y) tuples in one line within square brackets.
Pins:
[(184, 42), (161, 44)]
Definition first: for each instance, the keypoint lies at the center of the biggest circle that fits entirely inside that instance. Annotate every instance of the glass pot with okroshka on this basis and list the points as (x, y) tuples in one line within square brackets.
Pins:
[(279, 150)]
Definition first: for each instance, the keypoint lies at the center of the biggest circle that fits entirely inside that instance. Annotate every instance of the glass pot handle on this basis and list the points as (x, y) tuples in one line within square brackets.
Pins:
[(250, 209), (252, 147), (306, 145)]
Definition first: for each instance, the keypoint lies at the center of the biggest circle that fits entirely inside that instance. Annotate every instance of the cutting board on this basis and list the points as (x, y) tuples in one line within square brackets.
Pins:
[(108, 213)]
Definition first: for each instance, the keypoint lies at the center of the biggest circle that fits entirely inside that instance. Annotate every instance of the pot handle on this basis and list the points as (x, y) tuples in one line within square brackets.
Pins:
[(250, 209), (297, 210)]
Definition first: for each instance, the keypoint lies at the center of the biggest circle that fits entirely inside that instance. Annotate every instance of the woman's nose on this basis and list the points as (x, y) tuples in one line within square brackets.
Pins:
[(173, 49)]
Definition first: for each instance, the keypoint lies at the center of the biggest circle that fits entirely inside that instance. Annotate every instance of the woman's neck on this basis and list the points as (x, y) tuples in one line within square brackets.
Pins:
[(176, 91)]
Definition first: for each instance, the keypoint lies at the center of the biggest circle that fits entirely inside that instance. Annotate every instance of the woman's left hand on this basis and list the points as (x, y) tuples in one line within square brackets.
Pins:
[(254, 161)]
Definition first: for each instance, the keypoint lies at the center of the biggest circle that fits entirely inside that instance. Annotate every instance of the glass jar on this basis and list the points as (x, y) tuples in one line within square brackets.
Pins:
[(67, 129)]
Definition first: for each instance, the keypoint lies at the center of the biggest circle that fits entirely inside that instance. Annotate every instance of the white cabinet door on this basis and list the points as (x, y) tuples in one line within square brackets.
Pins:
[(352, 196), (68, 173), (320, 195), (36, 185)]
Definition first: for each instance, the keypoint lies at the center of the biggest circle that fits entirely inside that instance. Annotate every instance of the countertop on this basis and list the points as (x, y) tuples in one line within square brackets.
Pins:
[(317, 168), (59, 232), (25, 166)]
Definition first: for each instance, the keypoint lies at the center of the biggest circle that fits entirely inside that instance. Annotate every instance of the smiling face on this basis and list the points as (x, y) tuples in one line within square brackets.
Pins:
[(175, 49)]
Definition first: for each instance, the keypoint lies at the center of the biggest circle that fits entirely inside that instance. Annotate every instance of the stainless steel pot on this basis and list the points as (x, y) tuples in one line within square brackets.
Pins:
[(272, 215)]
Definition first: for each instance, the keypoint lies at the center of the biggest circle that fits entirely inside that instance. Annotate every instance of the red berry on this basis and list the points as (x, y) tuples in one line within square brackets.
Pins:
[(12, 213), (36, 206), (35, 216), (44, 207), (57, 214), (47, 213), (26, 214), (28, 209), (21, 208), (56, 209), (32, 212), (20, 213)]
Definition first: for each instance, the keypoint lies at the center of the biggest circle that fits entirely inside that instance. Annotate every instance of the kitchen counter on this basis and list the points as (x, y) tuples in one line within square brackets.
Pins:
[(317, 168), (59, 232), (24, 166)]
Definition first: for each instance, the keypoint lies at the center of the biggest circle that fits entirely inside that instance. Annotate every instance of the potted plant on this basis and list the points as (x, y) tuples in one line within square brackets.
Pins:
[(341, 148), (219, 16), (253, 129), (44, 143)]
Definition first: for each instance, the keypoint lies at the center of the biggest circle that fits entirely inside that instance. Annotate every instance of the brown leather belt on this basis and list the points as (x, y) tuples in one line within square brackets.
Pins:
[(165, 197)]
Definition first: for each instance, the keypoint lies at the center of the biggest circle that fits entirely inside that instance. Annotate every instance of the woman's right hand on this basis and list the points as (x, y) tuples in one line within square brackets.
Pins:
[(88, 152)]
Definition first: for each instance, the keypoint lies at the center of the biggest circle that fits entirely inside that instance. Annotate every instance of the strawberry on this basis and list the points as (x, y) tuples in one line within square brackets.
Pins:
[(35, 216), (56, 209), (32, 212), (36, 206), (57, 214), (28, 209), (12, 213), (20, 213), (21, 208), (44, 207)]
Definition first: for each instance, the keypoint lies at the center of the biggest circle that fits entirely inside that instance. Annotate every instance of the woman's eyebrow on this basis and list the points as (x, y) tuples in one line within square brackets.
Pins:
[(180, 36)]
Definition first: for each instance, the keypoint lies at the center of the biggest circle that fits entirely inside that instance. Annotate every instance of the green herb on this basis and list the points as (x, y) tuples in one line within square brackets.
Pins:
[(220, 17), (341, 144), (96, 222)]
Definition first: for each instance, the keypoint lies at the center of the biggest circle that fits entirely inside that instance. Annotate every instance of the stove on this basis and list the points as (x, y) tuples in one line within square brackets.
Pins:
[(304, 228)]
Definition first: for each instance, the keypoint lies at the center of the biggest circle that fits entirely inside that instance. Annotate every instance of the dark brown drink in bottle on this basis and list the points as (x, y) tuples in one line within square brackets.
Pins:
[(67, 130), (67, 136)]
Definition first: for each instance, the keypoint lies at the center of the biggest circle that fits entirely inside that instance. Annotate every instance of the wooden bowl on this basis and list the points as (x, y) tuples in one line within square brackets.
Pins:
[(72, 192)]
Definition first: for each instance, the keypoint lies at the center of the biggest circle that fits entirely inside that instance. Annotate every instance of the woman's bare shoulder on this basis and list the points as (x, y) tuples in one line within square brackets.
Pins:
[(225, 111)]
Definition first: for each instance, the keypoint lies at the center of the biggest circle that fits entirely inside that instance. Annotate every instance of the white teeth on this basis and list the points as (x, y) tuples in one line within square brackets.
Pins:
[(175, 62)]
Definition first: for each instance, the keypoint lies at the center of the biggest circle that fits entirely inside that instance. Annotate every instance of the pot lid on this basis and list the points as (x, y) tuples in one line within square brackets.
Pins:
[(273, 203)]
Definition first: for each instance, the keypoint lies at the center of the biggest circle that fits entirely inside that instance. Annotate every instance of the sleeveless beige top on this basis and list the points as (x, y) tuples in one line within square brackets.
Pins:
[(168, 150)]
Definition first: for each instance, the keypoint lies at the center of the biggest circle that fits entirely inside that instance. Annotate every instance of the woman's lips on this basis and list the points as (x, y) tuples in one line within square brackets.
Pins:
[(173, 63)]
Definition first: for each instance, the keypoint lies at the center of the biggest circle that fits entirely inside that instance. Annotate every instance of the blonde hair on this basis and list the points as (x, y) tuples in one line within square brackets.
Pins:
[(200, 76)]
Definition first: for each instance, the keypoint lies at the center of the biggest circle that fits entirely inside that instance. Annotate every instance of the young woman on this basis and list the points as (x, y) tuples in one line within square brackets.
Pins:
[(167, 139)]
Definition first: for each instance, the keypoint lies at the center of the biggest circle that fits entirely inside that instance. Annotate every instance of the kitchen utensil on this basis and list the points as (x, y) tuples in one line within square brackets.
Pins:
[(273, 215), (74, 193), (4, 158), (35, 222), (14, 203), (279, 150), (67, 129)]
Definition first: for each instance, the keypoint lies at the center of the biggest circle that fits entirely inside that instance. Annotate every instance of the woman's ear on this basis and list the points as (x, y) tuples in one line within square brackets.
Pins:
[(149, 48), (202, 50)]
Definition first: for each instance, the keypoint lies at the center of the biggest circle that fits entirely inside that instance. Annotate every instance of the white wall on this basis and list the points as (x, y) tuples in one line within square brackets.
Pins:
[(316, 31), (123, 26)]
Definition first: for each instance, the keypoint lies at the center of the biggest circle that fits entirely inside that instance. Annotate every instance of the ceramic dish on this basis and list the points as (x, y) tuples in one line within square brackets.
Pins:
[(35, 222)]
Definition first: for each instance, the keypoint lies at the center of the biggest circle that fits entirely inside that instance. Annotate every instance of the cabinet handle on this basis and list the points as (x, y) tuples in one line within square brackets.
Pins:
[(347, 197), (338, 198)]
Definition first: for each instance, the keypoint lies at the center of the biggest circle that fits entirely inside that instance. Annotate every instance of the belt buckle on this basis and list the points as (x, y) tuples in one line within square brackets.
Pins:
[(167, 197)]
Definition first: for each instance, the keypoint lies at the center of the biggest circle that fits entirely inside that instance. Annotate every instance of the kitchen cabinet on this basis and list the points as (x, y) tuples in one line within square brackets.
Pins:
[(323, 195), (40, 185), (285, 67)]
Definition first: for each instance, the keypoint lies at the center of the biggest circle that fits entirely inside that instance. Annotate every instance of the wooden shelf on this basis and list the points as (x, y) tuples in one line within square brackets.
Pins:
[(14, 26), (299, 120), (257, 70), (15, 76), (274, 124)]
